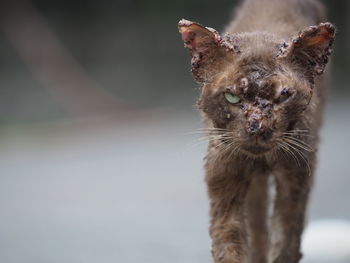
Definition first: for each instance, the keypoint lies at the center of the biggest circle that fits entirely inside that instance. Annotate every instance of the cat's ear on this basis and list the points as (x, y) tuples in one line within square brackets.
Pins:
[(208, 49), (310, 49)]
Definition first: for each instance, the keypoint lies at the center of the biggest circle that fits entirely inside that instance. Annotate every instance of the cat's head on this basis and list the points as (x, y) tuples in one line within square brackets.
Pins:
[(254, 85)]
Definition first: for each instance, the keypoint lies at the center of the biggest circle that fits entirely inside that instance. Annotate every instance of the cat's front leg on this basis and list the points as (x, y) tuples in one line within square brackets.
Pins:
[(229, 244), (227, 189), (293, 187), (256, 208)]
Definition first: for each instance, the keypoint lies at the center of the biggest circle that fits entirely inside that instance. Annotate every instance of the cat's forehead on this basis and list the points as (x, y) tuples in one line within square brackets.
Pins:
[(255, 71), (257, 44), (257, 57), (251, 81)]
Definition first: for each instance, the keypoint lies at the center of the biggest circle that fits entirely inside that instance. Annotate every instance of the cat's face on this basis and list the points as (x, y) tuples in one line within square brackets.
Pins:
[(255, 88), (254, 107)]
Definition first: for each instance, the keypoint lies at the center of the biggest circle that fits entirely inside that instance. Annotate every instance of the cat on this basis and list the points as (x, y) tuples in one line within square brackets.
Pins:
[(262, 97)]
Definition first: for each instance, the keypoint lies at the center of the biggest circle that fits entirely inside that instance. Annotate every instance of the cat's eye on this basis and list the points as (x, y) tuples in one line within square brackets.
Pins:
[(233, 99)]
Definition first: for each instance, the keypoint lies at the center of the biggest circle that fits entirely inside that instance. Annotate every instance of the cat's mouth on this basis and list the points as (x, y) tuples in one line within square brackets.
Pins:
[(256, 146)]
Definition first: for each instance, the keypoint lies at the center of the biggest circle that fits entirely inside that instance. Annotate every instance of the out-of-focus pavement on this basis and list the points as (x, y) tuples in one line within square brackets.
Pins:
[(129, 191)]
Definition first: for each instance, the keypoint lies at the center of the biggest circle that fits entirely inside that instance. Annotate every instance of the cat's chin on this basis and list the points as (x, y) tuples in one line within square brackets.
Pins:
[(255, 150)]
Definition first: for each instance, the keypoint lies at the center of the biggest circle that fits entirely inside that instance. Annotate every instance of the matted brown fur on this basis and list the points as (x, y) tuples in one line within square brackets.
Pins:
[(262, 99)]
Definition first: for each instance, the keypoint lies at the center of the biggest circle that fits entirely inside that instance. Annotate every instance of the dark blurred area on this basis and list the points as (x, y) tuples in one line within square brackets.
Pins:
[(65, 58), (97, 164)]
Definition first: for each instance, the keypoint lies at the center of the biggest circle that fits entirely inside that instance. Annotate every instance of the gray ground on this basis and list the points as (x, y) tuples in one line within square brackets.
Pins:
[(128, 191)]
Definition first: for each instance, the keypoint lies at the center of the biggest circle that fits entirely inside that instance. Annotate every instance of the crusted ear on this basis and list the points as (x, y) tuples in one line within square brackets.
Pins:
[(311, 48), (208, 49)]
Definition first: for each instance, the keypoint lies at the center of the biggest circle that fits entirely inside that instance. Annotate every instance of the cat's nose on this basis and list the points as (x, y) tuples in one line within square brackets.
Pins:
[(254, 126), (258, 127)]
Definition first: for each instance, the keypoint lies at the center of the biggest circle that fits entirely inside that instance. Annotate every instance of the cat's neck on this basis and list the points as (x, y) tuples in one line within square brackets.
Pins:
[(282, 18)]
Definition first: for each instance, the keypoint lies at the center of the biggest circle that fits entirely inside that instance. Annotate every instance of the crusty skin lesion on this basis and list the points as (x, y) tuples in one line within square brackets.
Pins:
[(273, 61)]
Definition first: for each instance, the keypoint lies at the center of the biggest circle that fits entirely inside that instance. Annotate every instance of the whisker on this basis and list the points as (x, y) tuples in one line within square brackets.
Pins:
[(298, 130), (286, 147), (207, 130), (220, 151), (224, 142), (208, 139), (285, 155), (294, 137), (212, 128), (232, 145), (204, 132), (304, 158), (298, 134), (301, 144), (213, 137), (233, 151)]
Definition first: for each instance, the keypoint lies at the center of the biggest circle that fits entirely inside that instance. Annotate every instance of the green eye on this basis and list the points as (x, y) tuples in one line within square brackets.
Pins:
[(232, 98)]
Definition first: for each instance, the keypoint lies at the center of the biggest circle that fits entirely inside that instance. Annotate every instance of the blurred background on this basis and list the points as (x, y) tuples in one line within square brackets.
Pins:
[(96, 160)]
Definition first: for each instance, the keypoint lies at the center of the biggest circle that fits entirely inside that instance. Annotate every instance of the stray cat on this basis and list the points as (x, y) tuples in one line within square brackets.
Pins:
[(261, 98)]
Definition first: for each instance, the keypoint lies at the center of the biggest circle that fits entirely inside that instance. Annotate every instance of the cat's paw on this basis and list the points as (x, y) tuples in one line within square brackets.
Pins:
[(286, 257), (227, 253)]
